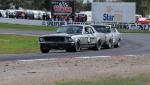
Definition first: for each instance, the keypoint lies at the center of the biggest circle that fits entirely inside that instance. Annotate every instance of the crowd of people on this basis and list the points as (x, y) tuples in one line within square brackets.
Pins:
[(45, 16), (70, 18), (28, 15)]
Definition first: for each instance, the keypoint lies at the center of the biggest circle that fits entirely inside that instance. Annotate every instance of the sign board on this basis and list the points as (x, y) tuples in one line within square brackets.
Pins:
[(113, 12), (62, 7)]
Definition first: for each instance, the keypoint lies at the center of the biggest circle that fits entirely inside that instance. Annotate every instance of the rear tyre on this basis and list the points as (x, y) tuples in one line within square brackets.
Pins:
[(97, 46), (117, 45), (109, 45), (44, 50)]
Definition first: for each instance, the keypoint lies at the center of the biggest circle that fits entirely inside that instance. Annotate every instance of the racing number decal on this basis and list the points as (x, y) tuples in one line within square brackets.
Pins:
[(89, 39)]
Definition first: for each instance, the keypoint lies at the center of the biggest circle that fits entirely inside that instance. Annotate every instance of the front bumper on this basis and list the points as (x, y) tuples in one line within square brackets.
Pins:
[(56, 45)]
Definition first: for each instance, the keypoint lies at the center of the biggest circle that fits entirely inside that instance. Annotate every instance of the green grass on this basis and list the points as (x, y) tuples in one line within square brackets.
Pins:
[(139, 80), (14, 44), (27, 27), (134, 31), (50, 28)]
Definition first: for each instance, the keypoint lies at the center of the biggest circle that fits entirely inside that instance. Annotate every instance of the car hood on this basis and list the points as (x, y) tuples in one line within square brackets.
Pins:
[(58, 34)]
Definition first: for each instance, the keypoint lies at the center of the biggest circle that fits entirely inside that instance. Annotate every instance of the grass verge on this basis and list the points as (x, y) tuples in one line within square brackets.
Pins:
[(14, 44), (134, 31), (138, 80), (26, 27), (50, 28)]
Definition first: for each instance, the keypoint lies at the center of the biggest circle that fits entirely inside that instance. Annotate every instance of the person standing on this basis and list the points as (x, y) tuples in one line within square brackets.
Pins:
[(0, 14), (22, 15)]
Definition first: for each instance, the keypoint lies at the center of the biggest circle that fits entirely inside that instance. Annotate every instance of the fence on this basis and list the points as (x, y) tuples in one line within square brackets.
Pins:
[(59, 23)]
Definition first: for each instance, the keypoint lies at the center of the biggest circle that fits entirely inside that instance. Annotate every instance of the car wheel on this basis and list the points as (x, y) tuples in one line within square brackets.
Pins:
[(97, 46), (117, 45), (76, 47), (68, 49), (109, 45), (44, 50)]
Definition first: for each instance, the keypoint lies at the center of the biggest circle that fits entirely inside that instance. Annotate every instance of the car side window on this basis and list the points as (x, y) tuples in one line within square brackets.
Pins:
[(79, 30), (86, 30), (89, 30)]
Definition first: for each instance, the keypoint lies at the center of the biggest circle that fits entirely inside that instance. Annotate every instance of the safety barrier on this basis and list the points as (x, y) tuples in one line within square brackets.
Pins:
[(126, 26)]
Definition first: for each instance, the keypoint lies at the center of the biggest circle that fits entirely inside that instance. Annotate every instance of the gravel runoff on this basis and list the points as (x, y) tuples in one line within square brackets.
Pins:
[(47, 72)]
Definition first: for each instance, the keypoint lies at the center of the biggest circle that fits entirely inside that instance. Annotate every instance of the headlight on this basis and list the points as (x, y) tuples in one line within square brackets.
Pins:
[(68, 39), (41, 39), (105, 36)]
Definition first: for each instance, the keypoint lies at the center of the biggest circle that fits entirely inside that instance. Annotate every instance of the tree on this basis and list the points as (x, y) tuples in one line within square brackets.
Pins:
[(46, 4), (87, 6), (5, 4), (79, 6), (139, 7)]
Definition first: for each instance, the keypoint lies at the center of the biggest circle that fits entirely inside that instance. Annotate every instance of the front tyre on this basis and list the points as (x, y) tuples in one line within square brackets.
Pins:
[(109, 45), (44, 50), (68, 49), (97, 46), (76, 47)]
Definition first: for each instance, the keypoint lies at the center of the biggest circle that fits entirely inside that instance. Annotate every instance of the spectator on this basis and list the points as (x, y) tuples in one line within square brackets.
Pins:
[(70, 18), (39, 16), (47, 17), (52, 18), (79, 18), (0, 14), (22, 15), (7, 14), (55, 17), (44, 16), (26, 15), (60, 18), (73, 17), (85, 18), (67, 18)]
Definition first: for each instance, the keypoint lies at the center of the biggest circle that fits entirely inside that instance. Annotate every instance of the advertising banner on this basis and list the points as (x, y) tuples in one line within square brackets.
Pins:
[(62, 7), (113, 12)]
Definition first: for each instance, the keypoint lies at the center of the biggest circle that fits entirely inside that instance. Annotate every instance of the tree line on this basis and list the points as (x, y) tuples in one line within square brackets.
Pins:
[(141, 7)]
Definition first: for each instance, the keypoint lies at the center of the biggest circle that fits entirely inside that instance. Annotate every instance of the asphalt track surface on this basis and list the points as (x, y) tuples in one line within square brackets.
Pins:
[(132, 44)]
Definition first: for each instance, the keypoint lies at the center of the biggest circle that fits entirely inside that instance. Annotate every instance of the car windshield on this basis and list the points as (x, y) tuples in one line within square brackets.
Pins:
[(102, 29), (70, 29)]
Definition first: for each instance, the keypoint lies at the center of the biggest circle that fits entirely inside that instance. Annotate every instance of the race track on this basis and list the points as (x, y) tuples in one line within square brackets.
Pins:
[(132, 44)]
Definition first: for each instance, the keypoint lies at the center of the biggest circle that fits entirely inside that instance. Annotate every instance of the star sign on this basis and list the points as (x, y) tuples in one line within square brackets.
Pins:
[(109, 9)]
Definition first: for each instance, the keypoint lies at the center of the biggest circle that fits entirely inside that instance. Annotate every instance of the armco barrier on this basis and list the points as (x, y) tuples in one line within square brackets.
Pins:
[(59, 23), (21, 21)]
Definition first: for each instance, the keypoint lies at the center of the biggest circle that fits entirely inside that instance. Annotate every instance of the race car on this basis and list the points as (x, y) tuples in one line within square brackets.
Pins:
[(112, 36), (72, 38)]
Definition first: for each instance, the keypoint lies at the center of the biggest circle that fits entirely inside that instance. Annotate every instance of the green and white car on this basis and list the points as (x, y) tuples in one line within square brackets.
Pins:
[(72, 38), (112, 36)]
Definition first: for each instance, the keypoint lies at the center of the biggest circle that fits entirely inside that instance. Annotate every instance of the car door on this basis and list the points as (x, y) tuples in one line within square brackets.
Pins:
[(115, 35), (85, 37), (91, 36)]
